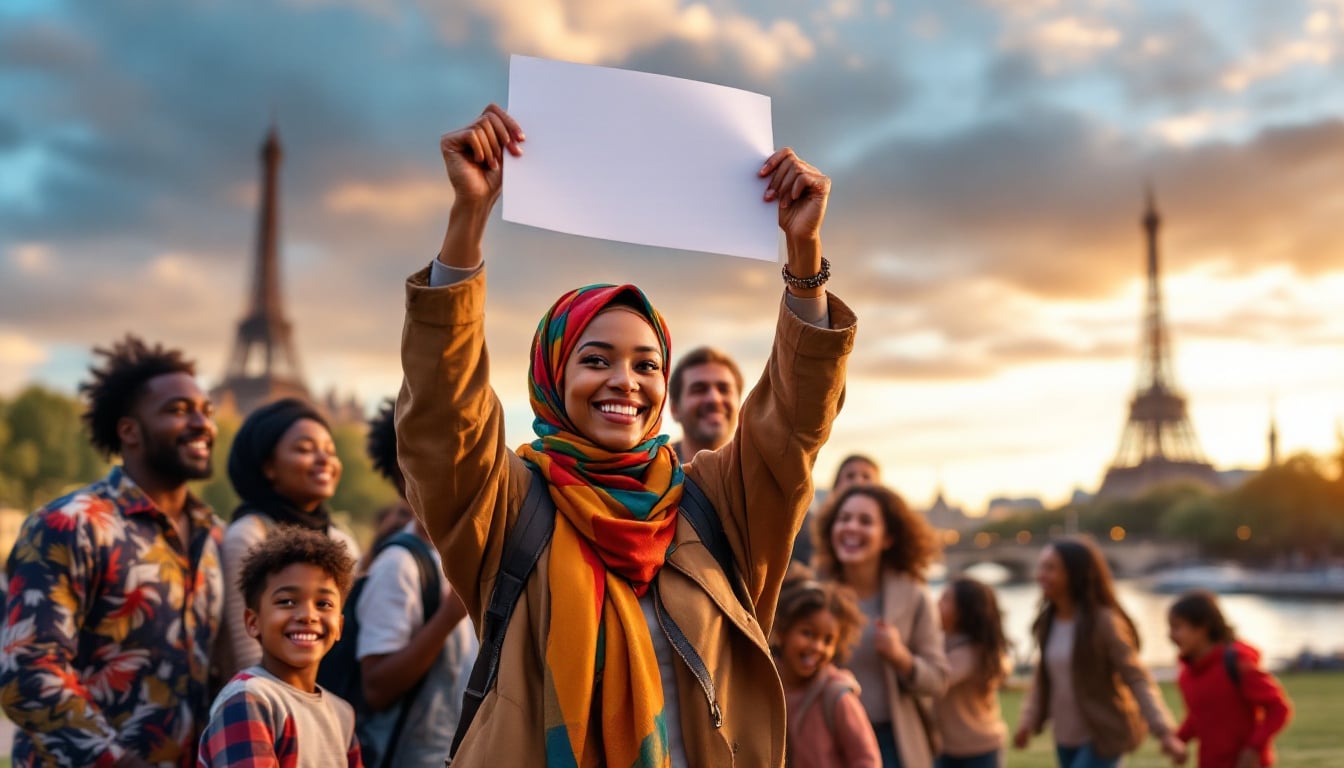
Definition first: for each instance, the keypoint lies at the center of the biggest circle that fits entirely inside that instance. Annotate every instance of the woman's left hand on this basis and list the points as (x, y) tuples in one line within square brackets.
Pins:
[(887, 641), (801, 191)]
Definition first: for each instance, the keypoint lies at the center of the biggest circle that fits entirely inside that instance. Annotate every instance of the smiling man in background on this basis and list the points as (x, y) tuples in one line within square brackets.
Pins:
[(706, 393), (115, 590)]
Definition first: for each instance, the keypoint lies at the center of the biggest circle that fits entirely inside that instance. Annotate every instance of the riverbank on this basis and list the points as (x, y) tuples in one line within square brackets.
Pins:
[(1311, 740)]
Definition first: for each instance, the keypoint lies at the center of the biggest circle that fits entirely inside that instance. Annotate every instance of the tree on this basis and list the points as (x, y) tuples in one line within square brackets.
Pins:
[(44, 449)]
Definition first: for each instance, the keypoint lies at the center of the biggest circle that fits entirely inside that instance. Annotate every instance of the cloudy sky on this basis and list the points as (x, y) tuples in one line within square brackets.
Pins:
[(989, 160)]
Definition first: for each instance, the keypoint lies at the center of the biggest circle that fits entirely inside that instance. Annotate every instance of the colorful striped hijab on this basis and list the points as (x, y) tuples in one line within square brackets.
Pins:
[(616, 513)]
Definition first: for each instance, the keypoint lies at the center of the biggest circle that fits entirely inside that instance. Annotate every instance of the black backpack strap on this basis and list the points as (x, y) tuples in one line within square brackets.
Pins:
[(700, 513), (431, 578), (1230, 662), (522, 548), (431, 591)]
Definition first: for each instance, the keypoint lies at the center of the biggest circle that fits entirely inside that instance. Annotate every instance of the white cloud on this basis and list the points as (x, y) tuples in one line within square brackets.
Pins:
[(19, 355), (397, 202), (606, 33), (1316, 47), (172, 269), (31, 258), (1069, 40), (1183, 130)]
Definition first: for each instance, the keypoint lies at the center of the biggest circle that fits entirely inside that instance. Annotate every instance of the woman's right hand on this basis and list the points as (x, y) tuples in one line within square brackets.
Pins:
[(474, 159), (474, 155), (1021, 737)]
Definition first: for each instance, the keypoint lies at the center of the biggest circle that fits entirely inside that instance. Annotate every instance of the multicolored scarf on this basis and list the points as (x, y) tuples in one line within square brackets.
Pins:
[(616, 513)]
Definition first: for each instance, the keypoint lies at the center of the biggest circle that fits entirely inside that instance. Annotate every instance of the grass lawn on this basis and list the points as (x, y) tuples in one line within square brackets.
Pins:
[(1314, 737)]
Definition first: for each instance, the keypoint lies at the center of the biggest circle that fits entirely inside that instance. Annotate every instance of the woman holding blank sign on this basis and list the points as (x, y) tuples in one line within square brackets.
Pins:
[(629, 645)]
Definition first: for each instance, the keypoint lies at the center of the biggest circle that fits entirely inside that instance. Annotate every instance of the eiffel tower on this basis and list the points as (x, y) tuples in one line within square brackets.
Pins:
[(1158, 445), (264, 365)]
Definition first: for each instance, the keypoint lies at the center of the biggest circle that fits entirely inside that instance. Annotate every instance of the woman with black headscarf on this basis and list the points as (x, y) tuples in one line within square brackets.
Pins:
[(284, 466)]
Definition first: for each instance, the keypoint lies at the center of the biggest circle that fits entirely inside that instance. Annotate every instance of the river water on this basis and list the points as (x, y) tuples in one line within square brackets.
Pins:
[(1280, 628)]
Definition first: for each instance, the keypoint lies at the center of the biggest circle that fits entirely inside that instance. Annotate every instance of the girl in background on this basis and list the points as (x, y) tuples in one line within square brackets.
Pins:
[(815, 624), (1232, 706), (869, 540), (968, 715), (1089, 681)]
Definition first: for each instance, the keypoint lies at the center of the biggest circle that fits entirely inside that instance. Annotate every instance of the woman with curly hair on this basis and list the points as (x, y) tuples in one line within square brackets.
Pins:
[(870, 540)]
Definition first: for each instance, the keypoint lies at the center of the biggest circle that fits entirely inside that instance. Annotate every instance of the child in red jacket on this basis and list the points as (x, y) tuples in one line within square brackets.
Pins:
[(1232, 706)]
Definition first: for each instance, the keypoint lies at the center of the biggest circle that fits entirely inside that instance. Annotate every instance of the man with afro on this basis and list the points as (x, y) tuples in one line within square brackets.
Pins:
[(115, 590)]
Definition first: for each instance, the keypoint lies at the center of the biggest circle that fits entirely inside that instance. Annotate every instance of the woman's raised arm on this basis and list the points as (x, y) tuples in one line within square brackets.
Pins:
[(474, 159)]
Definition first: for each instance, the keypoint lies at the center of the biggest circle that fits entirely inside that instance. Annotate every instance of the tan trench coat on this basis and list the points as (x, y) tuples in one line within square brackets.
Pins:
[(908, 606), (467, 485)]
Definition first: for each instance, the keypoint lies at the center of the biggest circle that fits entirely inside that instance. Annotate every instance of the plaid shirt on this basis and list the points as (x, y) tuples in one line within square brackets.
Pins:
[(260, 722), (109, 625)]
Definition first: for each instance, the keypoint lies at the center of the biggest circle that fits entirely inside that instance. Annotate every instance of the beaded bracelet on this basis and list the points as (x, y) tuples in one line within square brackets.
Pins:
[(815, 281)]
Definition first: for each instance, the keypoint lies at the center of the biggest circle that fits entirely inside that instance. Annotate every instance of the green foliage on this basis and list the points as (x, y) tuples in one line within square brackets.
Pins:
[(1291, 513), (44, 450), (362, 491), (217, 491)]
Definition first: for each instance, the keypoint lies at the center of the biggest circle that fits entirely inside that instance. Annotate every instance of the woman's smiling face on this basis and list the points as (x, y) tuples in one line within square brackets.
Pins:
[(614, 384), (859, 534)]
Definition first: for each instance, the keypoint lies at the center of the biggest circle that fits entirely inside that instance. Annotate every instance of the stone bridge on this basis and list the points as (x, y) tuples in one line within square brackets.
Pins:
[(1127, 559)]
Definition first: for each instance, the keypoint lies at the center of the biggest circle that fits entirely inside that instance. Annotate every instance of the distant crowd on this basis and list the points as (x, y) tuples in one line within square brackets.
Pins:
[(628, 602)]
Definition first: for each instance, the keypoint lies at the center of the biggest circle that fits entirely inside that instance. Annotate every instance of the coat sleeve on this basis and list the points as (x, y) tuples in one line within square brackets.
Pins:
[(1122, 651), (961, 665), (929, 677), (761, 480), (1263, 692), (461, 479), (1034, 711), (52, 572)]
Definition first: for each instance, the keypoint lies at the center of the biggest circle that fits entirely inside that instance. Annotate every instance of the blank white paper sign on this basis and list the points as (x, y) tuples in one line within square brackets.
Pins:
[(640, 158)]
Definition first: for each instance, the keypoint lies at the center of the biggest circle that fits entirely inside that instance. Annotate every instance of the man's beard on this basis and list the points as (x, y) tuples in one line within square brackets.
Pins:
[(711, 434), (165, 460)]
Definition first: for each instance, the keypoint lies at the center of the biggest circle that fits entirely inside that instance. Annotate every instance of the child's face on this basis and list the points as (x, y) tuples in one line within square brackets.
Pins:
[(1191, 641), (807, 646), (297, 621), (947, 610)]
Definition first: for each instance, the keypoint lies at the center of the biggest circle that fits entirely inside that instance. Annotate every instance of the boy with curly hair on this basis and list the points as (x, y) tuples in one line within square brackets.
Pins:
[(274, 713)]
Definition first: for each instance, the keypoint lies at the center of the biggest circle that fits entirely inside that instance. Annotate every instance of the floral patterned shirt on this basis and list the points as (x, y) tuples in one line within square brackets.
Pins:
[(109, 623)]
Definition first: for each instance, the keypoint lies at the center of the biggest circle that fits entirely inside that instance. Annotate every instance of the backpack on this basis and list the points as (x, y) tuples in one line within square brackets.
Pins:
[(1230, 663), (829, 693), (523, 547), (340, 671)]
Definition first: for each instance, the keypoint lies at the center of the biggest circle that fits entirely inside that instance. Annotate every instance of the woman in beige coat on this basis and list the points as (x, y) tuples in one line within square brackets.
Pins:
[(869, 539), (1089, 682), (591, 673)]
